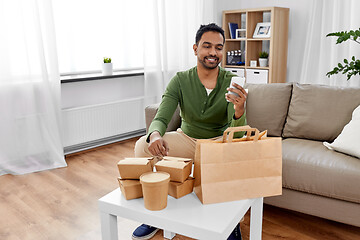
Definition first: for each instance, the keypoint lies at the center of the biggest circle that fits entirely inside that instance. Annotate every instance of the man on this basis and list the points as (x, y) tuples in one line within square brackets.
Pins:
[(206, 108)]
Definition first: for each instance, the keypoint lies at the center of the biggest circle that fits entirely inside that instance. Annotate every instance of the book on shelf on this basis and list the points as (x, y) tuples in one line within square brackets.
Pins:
[(232, 29)]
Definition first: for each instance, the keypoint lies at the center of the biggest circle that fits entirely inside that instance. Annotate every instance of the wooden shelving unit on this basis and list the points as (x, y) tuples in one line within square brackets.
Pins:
[(276, 45)]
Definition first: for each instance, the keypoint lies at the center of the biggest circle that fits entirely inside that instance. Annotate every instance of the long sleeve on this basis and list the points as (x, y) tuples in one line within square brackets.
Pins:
[(169, 102)]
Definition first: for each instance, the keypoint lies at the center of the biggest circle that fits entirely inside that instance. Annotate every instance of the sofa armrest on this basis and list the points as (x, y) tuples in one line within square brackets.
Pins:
[(150, 112)]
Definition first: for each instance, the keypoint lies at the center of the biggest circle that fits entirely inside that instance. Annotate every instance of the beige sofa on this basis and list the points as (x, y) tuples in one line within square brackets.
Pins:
[(316, 180)]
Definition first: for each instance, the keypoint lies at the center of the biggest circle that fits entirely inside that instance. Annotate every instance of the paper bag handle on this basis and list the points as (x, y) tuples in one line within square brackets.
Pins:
[(247, 129)]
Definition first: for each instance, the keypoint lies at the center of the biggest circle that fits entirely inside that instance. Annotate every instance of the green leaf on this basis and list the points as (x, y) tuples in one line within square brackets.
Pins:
[(350, 68), (357, 33), (357, 64), (334, 34), (348, 77)]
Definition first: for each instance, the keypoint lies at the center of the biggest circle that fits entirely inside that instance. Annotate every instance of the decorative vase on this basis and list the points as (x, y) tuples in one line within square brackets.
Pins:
[(107, 69), (263, 62)]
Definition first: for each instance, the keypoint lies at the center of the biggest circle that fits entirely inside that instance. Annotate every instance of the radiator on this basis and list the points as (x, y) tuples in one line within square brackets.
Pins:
[(96, 122)]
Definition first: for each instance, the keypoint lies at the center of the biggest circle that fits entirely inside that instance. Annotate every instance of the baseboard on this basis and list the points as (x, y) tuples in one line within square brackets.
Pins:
[(103, 141)]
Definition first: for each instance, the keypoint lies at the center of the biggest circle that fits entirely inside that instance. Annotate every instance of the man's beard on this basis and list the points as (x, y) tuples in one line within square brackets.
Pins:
[(210, 66)]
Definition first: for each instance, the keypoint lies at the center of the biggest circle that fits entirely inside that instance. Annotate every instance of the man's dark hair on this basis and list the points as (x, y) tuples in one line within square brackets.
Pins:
[(211, 27)]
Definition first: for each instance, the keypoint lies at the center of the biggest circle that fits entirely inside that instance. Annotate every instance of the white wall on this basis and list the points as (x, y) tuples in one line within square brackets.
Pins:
[(298, 21)]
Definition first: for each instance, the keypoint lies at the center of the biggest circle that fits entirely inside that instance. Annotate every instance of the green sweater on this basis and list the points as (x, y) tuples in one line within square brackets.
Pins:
[(202, 116)]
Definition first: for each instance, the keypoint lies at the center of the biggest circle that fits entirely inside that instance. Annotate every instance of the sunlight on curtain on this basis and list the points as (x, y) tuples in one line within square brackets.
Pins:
[(321, 53), (30, 138), (89, 30), (170, 34)]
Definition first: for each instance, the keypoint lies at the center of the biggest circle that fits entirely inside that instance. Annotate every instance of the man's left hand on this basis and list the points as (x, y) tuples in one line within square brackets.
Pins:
[(238, 101)]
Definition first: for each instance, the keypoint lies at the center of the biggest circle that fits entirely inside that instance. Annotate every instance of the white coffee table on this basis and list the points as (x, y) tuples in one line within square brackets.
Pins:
[(186, 216)]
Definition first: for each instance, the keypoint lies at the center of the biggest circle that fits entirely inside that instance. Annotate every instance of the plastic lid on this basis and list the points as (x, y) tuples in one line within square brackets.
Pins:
[(154, 177)]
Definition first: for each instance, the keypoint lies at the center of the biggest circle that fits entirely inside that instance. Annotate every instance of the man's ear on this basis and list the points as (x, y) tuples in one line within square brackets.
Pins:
[(195, 49)]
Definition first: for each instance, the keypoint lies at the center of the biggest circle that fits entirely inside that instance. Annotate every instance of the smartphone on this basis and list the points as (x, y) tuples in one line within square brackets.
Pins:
[(238, 80)]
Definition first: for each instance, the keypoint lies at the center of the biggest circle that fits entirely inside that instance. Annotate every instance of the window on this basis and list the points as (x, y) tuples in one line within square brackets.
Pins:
[(89, 30)]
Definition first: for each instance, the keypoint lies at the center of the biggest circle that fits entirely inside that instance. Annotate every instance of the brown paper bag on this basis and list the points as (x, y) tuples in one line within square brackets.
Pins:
[(231, 170)]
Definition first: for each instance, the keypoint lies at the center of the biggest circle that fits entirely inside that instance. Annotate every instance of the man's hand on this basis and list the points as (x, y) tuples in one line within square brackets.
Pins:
[(157, 145), (238, 101)]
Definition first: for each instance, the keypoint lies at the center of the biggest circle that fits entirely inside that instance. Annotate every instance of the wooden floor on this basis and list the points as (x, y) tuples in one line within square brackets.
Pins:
[(62, 204)]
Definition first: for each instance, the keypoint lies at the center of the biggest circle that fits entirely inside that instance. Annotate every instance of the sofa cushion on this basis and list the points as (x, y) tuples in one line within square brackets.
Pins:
[(320, 112), (309, 166), (348, 141), (150, 112), (267, 106)]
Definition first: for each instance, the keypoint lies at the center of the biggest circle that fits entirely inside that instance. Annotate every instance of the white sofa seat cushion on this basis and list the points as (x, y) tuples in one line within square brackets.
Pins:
[(309, 166)]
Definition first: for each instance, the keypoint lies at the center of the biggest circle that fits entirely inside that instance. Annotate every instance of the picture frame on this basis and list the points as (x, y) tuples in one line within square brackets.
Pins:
[(262, 30), (240, 33)]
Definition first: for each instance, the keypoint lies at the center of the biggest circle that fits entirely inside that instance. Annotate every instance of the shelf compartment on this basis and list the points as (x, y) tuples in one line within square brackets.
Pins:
[(239, 18), (253, 49), (254, 18), (234, 46)]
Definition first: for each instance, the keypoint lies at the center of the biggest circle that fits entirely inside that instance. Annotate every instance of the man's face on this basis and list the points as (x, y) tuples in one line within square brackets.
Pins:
[(209, 50)]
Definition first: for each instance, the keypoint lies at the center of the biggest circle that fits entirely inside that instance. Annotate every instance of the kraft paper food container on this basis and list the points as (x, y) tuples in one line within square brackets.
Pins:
[(132, 168), (155, 187), (178, 190), (152, 160), (131, 189), (178, 168)]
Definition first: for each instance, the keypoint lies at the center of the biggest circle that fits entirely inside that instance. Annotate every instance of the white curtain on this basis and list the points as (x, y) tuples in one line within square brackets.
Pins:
[(30, 138), (321, 53), (169, 36)]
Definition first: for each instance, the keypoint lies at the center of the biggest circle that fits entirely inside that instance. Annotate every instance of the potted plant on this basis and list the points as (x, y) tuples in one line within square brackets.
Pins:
[(107, 67), (263, 59), (350, 67)]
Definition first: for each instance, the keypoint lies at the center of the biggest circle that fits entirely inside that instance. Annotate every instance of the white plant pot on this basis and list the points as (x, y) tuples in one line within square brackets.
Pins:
[(263, 62), (107, 69)]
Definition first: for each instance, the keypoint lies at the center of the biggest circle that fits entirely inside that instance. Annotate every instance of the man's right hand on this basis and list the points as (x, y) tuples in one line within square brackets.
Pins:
[(157, 145)]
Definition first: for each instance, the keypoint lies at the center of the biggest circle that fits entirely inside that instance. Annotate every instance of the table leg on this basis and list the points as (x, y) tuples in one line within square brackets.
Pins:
[(256, 217), (109, 229), (168, 234)]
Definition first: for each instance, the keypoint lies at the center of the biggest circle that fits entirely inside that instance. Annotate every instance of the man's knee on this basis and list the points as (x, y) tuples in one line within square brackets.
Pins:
[(141, 148)]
